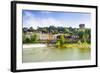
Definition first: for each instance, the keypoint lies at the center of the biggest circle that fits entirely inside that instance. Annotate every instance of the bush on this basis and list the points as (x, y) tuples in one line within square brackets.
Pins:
[(57, 43), (27, 40), (31, 39), (61, 42)]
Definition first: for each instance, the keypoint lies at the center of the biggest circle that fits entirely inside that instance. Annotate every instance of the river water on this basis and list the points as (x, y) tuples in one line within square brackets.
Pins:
[(45, 54)]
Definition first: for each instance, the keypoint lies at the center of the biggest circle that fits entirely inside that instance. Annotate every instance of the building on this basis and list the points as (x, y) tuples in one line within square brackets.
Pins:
[(82, 26)]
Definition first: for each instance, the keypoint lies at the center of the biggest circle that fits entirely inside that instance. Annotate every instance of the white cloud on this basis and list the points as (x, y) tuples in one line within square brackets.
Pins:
[(31, 20), (46, 12)]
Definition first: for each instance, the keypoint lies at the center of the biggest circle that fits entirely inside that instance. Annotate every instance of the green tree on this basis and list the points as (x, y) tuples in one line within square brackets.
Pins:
[(31, 29), (25, 29), (88, 35), (27, 40), (58, 44), (62, 39), (61, 42), (34, 38), (85, 35), (66, 30)]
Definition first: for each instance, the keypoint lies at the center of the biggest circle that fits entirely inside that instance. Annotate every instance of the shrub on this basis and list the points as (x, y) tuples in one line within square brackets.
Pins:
[(27, 40)]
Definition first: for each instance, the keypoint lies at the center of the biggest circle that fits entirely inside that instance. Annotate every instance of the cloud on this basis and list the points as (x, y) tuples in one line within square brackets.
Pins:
[(46, 12), (30, 20)]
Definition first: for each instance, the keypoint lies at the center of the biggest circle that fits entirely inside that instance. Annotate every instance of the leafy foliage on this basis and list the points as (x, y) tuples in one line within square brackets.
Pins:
[(61, 42), (31, 39), (83, 33)]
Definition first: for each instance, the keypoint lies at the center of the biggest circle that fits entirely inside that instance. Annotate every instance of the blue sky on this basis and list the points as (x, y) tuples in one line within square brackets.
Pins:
[(36, 19)]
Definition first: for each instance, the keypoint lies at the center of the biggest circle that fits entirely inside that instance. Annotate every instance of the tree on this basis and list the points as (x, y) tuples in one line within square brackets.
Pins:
[(27, 40), (62, 39), (34, 38), (66, 30), (52, 29), (80, 34), (31, 29), (85, 35), (25, 29), (44, 30), (61, 42), (88, 35)]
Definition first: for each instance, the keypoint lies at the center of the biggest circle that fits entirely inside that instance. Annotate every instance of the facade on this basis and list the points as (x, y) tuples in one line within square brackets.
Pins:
[(43, 37)]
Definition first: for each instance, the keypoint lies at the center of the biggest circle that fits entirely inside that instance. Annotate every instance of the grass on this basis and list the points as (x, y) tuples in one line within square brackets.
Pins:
[(75, 45)]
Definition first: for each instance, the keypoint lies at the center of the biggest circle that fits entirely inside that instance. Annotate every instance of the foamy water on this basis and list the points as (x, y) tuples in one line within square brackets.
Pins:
[(34, 45)]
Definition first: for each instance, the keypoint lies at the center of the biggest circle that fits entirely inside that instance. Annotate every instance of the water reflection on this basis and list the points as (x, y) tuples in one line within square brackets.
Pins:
[(54, 54)]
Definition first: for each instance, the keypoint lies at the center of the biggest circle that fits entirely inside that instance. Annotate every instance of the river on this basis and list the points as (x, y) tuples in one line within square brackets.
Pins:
[(44, 54)]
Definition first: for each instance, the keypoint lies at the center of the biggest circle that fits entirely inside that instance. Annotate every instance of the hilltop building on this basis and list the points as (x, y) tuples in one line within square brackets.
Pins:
[(82, 26)]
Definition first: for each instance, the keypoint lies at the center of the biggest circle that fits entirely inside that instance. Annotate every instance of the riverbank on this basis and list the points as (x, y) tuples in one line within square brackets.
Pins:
[(81, 46), (75, 45)]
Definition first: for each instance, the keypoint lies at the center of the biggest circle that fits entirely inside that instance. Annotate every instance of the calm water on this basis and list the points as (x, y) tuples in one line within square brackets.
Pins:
[(54, 54)]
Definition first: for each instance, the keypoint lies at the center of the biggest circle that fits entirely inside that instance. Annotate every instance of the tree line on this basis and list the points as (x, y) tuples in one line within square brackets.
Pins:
[(83, 33)]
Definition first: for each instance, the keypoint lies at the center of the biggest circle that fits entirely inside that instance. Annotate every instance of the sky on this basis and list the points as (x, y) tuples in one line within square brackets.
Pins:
[(38, 18)]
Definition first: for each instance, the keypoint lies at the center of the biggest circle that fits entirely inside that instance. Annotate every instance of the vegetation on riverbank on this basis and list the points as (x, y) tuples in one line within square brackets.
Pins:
[(76, 45), (83, 42), (31, 39)]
